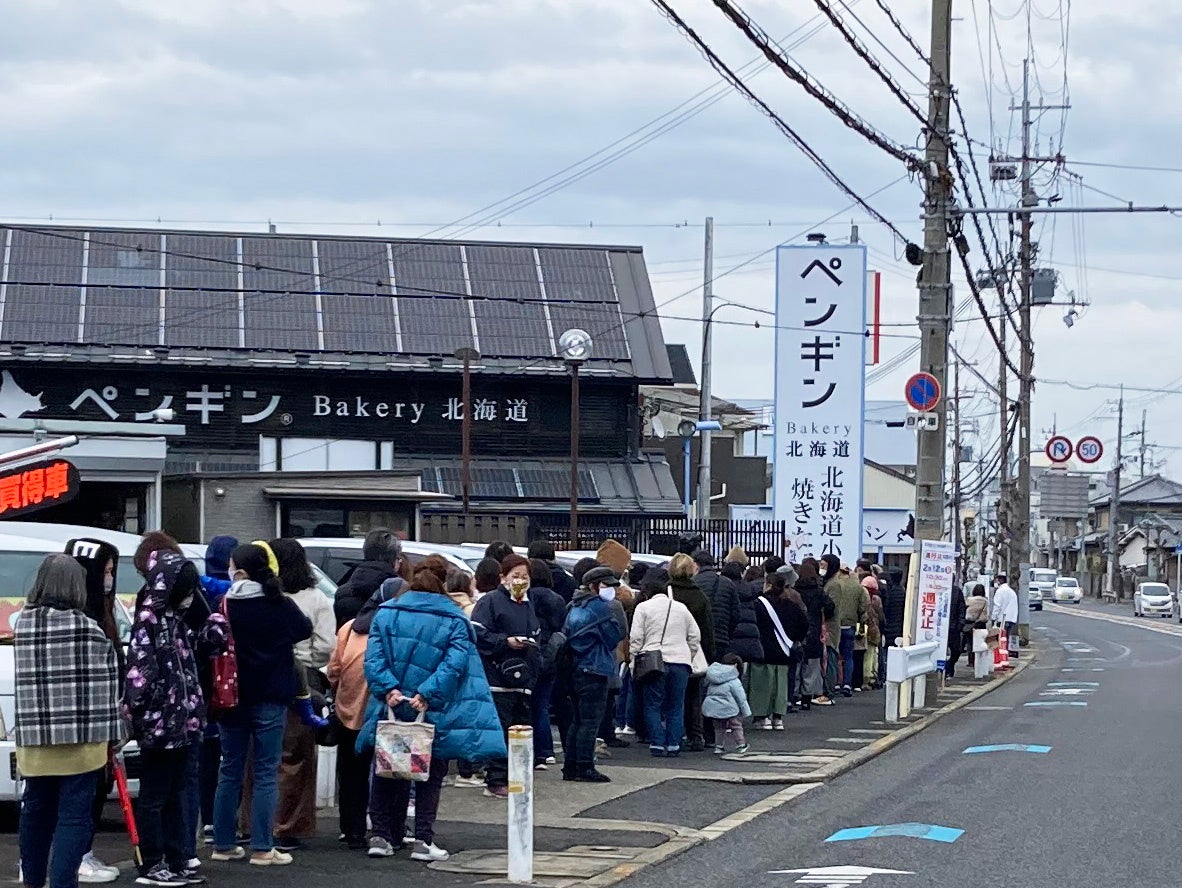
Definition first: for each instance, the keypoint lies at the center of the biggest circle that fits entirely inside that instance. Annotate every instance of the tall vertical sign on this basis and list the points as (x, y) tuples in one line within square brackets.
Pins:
[(937, 567), (820, 398)]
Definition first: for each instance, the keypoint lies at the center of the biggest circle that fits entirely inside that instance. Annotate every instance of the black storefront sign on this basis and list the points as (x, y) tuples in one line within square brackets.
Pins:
[(420, 414)]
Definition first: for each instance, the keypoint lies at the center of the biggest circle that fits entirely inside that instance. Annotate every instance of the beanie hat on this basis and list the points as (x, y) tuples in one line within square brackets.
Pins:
[(217, 556)]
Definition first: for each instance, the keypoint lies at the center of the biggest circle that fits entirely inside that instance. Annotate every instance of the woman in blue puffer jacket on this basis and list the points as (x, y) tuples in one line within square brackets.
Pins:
[(422, 657)]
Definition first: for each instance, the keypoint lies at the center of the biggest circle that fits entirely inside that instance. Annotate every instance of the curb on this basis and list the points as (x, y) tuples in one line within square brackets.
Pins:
[(881, 745)]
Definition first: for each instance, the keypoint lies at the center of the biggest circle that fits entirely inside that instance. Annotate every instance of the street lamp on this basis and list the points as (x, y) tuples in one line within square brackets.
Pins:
[(575, 347), (687, 428), (467, 355)]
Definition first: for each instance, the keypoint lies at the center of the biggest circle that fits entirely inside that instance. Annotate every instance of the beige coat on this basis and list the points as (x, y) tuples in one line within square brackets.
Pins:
[(682, 639)]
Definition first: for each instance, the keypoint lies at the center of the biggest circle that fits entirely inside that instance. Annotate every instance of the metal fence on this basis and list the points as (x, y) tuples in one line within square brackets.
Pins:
[(666, 536)]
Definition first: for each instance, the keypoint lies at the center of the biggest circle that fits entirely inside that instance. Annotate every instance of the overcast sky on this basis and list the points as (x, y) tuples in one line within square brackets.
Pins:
[(329, 116)]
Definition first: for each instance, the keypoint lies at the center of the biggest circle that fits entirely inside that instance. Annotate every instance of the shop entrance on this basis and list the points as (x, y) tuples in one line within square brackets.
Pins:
[(110, 505)]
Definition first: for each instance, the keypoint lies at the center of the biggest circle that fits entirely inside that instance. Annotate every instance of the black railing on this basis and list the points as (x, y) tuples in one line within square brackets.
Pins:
[(665, 536)]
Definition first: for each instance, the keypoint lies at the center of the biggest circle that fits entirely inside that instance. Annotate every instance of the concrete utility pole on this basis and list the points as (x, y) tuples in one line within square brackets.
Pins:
[(1114, 500), (1002, 551), (705, 482), (935, 292), (955, 516), (1144, 445)]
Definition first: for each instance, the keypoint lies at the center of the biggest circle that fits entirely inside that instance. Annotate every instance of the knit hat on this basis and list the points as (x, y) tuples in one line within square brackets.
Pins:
[(788, 572), (217, 556), (737, 555), (614, 555)]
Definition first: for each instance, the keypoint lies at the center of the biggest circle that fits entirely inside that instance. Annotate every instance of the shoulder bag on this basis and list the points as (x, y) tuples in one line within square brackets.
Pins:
[(651, 664)]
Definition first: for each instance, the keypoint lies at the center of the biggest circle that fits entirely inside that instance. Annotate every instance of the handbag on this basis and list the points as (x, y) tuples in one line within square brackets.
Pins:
[(517, 673), (698, 664), (330, 734), (402, 750), (224, 687), (650, 664)]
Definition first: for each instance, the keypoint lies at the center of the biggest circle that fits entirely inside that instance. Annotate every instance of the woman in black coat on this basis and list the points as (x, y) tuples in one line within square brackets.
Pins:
[(745, 638), (818, 606)]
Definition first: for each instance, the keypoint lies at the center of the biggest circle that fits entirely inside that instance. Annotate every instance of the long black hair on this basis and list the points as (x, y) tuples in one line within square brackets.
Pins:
[(295, 574), (253, 561)]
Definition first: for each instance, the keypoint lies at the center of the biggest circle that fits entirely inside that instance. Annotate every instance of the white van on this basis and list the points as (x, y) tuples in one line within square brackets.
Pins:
[(337, 556)]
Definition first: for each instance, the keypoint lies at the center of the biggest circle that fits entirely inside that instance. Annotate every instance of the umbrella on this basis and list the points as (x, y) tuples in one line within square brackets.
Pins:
[(125, 803)]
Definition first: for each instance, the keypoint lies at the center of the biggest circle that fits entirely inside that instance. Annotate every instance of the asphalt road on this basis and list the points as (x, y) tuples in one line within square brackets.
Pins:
[(1098, 810)]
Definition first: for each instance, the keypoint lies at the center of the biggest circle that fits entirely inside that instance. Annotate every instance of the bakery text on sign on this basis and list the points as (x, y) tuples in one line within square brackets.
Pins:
[(37, 486)]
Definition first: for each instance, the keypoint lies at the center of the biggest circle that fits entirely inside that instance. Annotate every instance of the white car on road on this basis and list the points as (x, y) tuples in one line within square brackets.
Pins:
[(1153, 599), (1067, 591)]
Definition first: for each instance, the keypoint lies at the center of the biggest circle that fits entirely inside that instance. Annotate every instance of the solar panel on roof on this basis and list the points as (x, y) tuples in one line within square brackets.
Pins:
[(508, 329), (431, 325), (486, 482), (205, 314), (603, 322), (283, 321), (554, 484), (357, 322), (47, 313), (270, 263), (353, 267), (579, 275), (123, 288)]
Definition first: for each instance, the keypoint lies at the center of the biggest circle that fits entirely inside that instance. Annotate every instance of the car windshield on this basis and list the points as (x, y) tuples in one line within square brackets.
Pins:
[(1069, 582), (1044, 576), (1155, 590)]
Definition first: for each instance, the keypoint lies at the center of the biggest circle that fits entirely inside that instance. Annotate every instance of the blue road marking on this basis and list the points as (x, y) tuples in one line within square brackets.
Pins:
[(1057, 703), (929, 831), (1008, 747)]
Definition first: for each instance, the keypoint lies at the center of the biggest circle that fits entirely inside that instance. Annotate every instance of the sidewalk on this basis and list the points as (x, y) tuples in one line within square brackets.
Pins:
[(653, 807)]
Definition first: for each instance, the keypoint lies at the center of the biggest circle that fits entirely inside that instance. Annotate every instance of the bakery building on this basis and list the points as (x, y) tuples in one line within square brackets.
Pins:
[(260, 384)]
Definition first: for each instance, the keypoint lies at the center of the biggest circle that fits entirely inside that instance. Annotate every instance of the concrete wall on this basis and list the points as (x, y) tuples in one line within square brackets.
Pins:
[(242, 512)]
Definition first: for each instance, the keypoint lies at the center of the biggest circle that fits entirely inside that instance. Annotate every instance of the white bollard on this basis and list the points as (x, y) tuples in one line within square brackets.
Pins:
[(892, 701), (919, 692), (521, 804)]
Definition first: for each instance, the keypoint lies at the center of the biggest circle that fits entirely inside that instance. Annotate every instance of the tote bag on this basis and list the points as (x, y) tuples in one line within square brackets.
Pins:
[(402, 750)]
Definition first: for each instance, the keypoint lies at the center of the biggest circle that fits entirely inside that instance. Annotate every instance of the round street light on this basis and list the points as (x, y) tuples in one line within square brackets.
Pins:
[(575, 345)]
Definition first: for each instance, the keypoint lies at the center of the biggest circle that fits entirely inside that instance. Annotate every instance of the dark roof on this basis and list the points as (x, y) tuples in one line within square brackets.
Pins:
[(1151, 491), (354, 302), (679, 362)]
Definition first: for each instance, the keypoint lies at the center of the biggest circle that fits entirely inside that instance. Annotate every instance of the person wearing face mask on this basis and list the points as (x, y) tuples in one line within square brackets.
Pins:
[(593, 629), (163, 700), (507, 636)]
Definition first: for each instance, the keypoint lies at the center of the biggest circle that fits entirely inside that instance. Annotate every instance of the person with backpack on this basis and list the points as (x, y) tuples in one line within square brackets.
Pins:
[(593, 630)]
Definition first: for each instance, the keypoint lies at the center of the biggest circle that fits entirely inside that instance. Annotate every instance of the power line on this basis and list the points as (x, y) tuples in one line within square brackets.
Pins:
[(737, 82), (1126, 166)]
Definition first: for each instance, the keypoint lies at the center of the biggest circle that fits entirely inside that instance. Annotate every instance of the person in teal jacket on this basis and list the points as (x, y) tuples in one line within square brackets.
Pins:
[(421, 658)]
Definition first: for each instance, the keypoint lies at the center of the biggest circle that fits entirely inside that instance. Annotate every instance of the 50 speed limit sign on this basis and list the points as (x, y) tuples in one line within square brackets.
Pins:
[(1089, 449)]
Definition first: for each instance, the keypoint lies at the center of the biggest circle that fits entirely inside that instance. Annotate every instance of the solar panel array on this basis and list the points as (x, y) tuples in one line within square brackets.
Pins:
[(503, 482), (149, 288)]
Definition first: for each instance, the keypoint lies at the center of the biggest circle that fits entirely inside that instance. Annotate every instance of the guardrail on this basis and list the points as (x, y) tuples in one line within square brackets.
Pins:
[(903, 665)]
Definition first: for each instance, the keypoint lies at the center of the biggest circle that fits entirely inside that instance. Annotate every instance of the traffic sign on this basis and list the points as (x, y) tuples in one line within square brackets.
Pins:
[(1089, 449), (923, 392), (1059, 449)]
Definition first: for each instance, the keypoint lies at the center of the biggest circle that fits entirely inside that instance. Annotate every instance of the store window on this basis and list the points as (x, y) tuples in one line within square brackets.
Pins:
[(347, 520)]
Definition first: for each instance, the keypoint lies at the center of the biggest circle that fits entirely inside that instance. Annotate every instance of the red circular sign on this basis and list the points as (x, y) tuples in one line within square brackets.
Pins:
[(922, 392), (1089, 449), (1059, 449)]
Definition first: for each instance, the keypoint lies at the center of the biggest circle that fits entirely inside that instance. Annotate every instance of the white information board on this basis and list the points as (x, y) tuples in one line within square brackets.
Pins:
[(933, 610)]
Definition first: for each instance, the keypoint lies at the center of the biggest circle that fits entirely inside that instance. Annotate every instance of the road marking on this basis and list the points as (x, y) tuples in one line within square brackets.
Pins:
[(1007, 747), (1066, 692), (1057, 703), (928, 831), (847, 740), (1073, 684), (1085, 659), (869, 731), (1093, 669), (990, 708), (837, 876)]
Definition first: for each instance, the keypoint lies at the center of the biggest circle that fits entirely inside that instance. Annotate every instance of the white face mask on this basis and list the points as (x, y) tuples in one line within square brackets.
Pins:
[(108, 584), (607, 593)]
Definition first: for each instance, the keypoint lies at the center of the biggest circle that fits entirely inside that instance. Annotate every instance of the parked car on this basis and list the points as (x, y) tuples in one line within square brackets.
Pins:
[(1041, 586), (338, 556), (1067, 591), (1034, 598), (1153, 599), (569, 559)]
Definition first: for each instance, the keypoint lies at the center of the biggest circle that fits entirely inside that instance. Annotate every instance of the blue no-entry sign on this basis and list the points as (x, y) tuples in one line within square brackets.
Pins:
[(922, 392)]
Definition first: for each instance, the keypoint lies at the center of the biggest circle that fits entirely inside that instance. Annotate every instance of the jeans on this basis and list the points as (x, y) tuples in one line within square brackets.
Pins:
[(514, 709), (389, 799), (590, 702), (847, 655), (540, 706), (831, 671), (261, 724), (882, 660), (664, 707), (161, 813), (56, 814), (624, 702), (353, 770)]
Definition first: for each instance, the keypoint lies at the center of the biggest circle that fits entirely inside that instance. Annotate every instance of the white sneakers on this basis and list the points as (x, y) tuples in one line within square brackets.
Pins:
[(94, 872), (473, 782), (428, 852)]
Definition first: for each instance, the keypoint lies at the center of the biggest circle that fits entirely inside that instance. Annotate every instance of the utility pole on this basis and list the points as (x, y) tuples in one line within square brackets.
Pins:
[(935, 291), (1002, 551), (1144, 446), (956, 527), (1114, 500), (705, 483)]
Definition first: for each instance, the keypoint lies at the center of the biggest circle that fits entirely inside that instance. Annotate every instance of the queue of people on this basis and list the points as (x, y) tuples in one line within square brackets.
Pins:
[(226, 672)]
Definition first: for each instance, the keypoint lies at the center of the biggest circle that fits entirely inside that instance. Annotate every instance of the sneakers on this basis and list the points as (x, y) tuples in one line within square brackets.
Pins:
[(470, 782), (592, 776), (160, 874), (540, 766), (822, 701), (496, 792), (193, 863), (777, 724), (550, 760), (428, 852), (627, 731), (191, 876), (207, 834), (764, 724), (379, 847), (718, 750), (235, 853), (308, 714), (657, 751), (270, 858), (847, 691), (746, 747), (94, 872)]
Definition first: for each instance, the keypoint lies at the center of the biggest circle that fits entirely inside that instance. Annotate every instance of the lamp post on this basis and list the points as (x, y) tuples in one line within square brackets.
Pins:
[(575, 347), (687, 429), (467, 355)]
